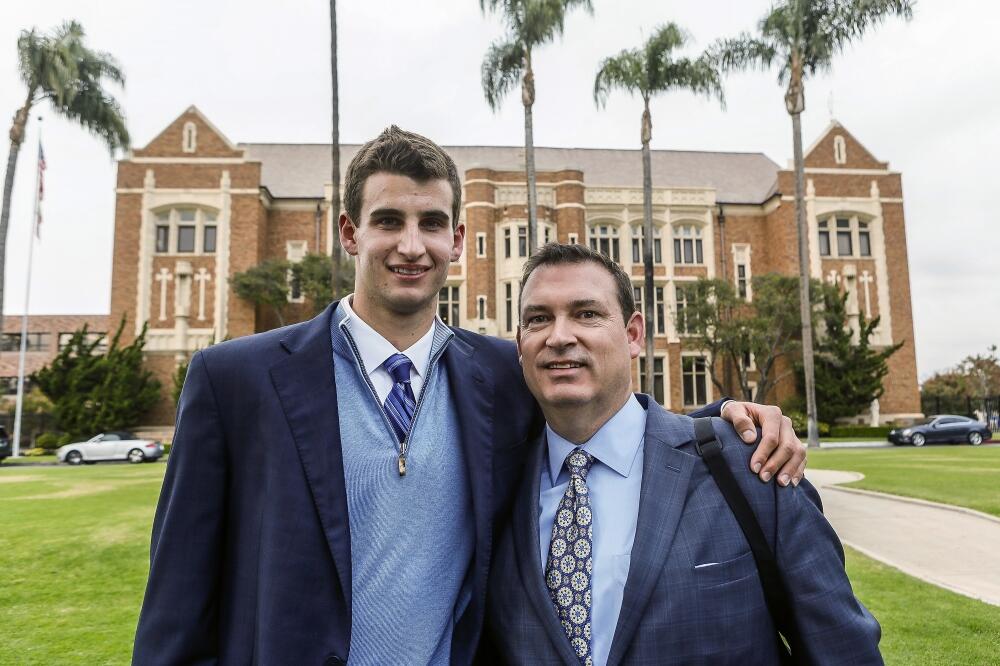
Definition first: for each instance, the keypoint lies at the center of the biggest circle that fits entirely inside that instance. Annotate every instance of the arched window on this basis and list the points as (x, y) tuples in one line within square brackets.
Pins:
[(190, 140), (639, 244), (851, 233), (185, 230), (604, 239), (687, 244), (839, 150)]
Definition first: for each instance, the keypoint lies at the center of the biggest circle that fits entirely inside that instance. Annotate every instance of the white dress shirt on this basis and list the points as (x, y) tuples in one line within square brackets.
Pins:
[(375, 349)]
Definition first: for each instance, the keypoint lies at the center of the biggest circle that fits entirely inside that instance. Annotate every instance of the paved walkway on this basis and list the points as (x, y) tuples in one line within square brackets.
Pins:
[(953, 547)]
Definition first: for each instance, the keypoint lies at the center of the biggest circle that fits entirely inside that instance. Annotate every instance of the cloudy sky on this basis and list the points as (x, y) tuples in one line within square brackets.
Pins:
[(922, 95)]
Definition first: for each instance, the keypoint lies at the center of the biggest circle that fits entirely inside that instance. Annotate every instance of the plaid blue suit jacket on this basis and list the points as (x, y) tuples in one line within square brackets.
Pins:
[(674, 611)]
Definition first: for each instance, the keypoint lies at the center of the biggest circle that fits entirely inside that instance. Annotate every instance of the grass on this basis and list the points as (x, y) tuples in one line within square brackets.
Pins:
[(963, 475), (75, 560), (28, 460)]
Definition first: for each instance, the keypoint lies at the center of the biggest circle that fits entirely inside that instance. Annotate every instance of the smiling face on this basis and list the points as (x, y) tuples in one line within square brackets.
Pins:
[(402, 247), (575, 348)]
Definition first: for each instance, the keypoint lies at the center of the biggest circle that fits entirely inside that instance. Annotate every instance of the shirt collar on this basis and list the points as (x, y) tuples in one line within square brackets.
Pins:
[(375, 349), (615, 444)]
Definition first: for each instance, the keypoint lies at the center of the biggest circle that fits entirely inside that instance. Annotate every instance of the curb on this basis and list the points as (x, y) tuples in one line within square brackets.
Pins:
[(913, 500)]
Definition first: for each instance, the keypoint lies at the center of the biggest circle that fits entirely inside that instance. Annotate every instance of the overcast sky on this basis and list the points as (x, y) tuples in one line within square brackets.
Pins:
[(923, 95)]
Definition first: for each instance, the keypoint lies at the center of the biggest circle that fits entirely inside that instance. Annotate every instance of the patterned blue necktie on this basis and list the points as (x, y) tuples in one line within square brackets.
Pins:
[(570, 564), (400, 403)]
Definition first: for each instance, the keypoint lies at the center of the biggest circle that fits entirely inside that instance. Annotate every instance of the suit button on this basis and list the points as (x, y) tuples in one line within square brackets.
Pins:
[(334, 660)]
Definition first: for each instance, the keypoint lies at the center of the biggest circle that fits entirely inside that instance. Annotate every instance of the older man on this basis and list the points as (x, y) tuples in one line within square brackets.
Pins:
[(621, 548)]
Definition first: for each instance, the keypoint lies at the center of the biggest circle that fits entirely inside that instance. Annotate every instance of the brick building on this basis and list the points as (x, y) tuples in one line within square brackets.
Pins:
[(193, 209), (47, 335)]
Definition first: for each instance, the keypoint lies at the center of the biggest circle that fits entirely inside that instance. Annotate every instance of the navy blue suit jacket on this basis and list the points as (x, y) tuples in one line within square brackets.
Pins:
[(250, 560), (693, 595)]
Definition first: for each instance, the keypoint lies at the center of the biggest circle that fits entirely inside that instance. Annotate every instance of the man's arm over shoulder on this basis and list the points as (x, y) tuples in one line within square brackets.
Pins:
[(179, 619), (835, 627)]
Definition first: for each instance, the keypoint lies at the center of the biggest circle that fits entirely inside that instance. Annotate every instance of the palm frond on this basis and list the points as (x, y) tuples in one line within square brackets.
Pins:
[(502, 68), (700, 76), (743, 52), (625, 71)]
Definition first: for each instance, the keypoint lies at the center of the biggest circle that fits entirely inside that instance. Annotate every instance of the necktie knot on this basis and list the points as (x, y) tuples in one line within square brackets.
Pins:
[(578, 462), (398, 366)]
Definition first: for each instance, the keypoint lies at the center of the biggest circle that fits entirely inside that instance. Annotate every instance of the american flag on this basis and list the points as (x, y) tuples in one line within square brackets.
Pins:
[(41, 190)]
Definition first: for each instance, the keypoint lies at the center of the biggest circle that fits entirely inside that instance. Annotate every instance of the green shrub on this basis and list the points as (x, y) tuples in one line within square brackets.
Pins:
[(35, 452), (801, 425), (67, 438), (48, 441), (880, 432)]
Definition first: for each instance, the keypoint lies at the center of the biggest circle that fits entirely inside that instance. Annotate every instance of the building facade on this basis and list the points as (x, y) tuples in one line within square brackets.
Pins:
[(193, 209)]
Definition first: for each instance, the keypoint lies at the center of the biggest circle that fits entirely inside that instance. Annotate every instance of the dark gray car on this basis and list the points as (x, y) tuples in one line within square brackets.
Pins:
[(942, 428)]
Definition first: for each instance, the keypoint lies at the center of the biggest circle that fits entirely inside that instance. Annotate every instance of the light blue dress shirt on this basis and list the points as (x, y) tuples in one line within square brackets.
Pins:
[(614, 482)]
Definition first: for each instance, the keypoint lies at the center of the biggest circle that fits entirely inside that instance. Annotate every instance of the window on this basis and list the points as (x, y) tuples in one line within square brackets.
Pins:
[(844, 246), (162, 237), (208, 242), (604, 239), (546, 234), (34, 342), (295, 251), (824, 238), (741, 281), (448, 305), (680, 310), (741, 260), (864, 240), (573, 239), (659, 322), (8, 385), (687, 245), (185, 230), (480, 245), (99, 337), (508, 303), (639, 245), (481, 307), (694, 372), (658, 392), (506, 243), (839, 150), (522, 241), (190, 140)]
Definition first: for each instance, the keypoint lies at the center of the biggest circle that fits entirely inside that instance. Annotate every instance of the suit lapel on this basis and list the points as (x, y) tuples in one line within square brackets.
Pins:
[(665, 476), (474, 407), (304, 381), (524, 523)]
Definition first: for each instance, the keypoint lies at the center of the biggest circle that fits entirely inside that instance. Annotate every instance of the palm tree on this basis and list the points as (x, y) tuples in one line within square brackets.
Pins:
[(647, 71), (60, 68), (802, 37), (530, 23), (335, 255)]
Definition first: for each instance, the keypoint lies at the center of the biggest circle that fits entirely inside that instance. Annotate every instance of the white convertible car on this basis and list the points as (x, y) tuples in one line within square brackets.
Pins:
[(116, 445)]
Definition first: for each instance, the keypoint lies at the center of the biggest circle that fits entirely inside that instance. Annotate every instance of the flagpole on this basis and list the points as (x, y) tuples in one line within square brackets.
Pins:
[(16, 450)]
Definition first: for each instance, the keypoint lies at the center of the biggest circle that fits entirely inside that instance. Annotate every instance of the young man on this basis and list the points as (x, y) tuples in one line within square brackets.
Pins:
[(333, 486), (621, 548)]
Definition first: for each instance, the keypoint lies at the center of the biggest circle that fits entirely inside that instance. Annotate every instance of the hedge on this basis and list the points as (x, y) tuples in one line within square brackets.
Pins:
[(880, 432)]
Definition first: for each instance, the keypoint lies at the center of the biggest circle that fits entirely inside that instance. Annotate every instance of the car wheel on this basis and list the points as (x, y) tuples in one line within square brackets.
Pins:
[(74, 458), (918, 440), (136, 456), (975, 438)]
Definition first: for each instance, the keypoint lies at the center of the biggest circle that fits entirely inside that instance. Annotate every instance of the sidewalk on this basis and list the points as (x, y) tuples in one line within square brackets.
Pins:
[(953, 547)]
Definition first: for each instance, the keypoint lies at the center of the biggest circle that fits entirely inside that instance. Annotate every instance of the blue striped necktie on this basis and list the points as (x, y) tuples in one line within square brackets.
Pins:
[(400, 404)]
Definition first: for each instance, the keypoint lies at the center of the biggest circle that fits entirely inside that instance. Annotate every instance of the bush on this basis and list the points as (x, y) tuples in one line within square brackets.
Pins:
[(49, 441), (880, 432), (35, 452), (67, 438), (801, 425)]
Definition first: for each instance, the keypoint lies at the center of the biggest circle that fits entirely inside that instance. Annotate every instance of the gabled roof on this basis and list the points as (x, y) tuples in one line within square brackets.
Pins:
[(821, 153), (211, 142), (301, 170)]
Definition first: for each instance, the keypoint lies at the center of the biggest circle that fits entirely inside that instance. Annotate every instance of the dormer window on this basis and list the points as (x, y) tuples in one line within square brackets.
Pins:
[(189, 143)]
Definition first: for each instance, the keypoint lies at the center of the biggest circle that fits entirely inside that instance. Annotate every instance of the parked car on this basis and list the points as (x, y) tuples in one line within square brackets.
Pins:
[(942, 428), (5, 444), (115, 445)]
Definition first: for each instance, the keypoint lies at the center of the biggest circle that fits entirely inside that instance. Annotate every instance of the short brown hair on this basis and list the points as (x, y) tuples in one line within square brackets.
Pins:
[(553, 254), (404, 153)]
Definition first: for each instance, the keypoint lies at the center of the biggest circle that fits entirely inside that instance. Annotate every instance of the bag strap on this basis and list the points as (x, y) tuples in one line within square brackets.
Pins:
[(775, 593)]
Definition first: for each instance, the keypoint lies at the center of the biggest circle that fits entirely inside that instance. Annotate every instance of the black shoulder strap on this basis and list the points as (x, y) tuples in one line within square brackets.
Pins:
[(775, 593)]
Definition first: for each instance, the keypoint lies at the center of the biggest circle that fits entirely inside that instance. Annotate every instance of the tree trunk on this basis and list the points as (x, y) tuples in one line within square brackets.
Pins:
[(528, 99), (647, 250), (804, 274), (16, 139), (335, 253)]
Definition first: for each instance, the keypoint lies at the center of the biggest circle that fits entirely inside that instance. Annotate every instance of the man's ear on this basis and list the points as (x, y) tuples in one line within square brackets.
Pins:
[(348, 234), (517, 340), (458, 242), (635, 333)]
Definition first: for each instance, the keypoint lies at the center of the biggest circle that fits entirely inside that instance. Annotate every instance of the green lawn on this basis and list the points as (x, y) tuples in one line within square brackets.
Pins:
[(74, 562), (964, 475)]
